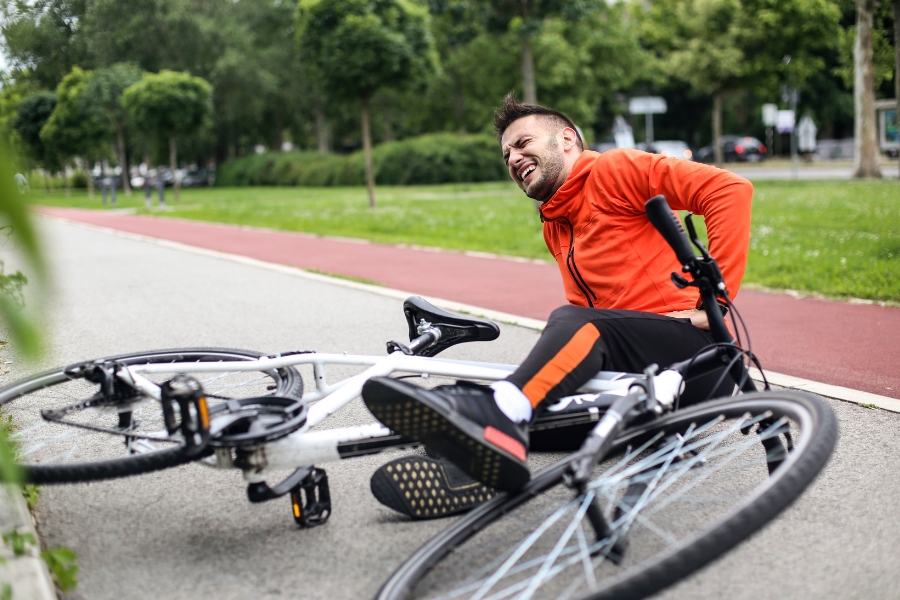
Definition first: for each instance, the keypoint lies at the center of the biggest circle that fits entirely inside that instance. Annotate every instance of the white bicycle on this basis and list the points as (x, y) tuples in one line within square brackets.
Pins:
[(654, 492)]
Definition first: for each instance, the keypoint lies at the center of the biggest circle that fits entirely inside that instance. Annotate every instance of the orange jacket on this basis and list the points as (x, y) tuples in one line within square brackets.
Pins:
[(619, 260)]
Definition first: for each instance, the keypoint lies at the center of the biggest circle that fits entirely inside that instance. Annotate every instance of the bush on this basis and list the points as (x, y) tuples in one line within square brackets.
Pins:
[(434, 158), (79, 180)]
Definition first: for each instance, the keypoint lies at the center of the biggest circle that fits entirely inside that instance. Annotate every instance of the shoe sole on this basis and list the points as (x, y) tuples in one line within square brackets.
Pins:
[(485, 453), (420, 487)]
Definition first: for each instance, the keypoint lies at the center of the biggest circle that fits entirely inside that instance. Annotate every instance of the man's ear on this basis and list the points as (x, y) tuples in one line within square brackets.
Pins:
[(570, 138)]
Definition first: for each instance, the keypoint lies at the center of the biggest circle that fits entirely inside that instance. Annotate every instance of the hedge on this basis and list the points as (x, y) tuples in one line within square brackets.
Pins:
[(433, 158)]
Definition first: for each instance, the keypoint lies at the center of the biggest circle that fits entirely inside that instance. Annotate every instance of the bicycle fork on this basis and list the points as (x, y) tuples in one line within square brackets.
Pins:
[(593, 450)]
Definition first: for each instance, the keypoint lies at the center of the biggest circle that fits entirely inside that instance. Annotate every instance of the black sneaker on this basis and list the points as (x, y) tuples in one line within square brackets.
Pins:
[(426, 488), (462, 422)]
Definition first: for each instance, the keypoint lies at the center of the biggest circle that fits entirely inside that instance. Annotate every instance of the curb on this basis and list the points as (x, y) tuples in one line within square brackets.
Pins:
[(787, 381), (28, 574)]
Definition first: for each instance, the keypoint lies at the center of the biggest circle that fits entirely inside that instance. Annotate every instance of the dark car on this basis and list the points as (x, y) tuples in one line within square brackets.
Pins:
[(735, 148), (198, 177)]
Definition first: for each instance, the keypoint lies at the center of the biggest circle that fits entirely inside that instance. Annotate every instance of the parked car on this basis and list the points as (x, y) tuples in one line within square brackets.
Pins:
[(735, 148), (198, 177), (673, 148)]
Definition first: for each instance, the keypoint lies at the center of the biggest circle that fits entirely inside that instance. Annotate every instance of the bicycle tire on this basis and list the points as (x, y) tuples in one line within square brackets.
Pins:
[(50, 452), (493, 530)]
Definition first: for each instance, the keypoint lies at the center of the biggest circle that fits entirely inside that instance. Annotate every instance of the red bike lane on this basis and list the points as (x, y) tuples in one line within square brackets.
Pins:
[(840, 343)]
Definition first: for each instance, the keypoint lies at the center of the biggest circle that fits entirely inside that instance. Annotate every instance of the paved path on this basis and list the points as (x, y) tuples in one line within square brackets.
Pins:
[(189, 533), (765, 172), (850, 345)]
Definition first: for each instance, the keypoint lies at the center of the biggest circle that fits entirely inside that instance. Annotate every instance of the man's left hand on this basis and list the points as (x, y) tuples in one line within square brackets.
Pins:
[(698, 317)]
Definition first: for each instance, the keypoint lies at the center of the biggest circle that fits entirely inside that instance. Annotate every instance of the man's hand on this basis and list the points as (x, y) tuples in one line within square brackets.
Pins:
[(698, 317)]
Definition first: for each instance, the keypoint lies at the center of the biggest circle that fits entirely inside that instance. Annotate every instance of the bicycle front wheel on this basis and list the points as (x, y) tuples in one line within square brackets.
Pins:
[(75, 450), (677, 492)]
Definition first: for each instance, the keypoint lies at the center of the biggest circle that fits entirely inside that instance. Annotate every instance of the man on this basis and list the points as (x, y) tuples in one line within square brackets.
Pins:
[(624, 312)]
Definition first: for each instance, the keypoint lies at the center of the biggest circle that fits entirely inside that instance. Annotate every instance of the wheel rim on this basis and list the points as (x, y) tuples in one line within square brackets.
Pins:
[(44, 446), (677, 492)]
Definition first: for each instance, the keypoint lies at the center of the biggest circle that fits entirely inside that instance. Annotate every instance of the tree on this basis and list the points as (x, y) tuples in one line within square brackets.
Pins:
[(527, 18), (865, 151), (76, 127), (104, 91), (896, 7), (702, 44), (455, 25), (41, 37), (33, 113), (361, 46), (169, 104), (720, 46)]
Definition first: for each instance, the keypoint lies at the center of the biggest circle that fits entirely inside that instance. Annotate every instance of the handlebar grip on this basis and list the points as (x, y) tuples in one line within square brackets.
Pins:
[(668, 225)]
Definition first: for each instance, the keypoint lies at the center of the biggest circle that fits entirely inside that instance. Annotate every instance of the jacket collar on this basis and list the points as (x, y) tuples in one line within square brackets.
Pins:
[(560, 204)]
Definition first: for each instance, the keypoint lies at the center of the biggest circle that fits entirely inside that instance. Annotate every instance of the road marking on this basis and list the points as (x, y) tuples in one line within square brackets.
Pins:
[(787, 381)]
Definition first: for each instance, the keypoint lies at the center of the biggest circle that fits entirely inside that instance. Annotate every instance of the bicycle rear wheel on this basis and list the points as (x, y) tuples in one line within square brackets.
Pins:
[(678, 493), (55, 452)]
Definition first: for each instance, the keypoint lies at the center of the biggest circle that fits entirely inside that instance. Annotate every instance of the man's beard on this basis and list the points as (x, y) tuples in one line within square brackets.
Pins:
[(552, 164)]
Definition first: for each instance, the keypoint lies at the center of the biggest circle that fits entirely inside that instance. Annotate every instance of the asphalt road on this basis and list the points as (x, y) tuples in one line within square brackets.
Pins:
[(190, 533), (765, 172)]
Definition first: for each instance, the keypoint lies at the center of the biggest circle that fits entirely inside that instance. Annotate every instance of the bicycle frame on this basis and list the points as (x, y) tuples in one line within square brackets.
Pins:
[(303, 447)]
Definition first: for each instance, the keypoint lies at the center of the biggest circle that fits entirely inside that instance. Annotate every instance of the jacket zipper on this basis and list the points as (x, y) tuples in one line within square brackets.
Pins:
[(583, 287)]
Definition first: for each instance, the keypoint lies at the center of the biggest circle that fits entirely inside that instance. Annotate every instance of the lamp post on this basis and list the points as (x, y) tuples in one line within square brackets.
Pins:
[(790, 96), (770, 118)]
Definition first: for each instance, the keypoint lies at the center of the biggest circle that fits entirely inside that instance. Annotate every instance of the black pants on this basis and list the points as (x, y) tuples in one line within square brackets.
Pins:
[(578, 342)]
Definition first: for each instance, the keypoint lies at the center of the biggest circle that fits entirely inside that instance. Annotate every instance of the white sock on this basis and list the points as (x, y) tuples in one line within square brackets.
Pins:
[(512, 401)]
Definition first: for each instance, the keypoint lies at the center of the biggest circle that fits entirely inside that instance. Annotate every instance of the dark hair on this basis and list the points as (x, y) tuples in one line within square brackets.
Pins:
[(512, 110)]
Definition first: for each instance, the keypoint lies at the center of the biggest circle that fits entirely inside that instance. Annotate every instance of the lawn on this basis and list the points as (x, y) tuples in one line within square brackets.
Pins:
[(836, 238)]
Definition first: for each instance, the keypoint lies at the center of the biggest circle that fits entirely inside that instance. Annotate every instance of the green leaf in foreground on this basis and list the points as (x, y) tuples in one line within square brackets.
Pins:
[(63, 566)]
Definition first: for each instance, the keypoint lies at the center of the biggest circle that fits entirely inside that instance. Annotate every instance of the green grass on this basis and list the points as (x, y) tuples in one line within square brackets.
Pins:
[(840, 239)]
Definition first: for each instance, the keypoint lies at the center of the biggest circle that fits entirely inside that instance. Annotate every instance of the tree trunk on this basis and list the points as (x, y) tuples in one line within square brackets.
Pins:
[(719, 153), (388, 124), (65, 176), (367, 150), (896, 7), (279, 133), (865, 151), (528, 84), (173, 164), (123, 162), (321, 132), (90, 177), (459, 106)]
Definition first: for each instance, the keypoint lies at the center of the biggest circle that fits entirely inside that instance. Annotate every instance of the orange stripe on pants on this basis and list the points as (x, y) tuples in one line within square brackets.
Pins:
[(565, 361)]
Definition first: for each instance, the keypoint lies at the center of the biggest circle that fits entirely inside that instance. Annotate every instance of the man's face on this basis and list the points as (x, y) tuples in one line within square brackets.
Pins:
[(534, 157)]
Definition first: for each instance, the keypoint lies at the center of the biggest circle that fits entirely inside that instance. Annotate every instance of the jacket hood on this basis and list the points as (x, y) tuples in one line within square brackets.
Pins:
[(559, 205)]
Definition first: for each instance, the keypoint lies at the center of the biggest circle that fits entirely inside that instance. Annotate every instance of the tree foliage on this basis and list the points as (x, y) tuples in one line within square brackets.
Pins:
[(169, 104), (76, 126), (361, 46), (587, 58), (32, 114)]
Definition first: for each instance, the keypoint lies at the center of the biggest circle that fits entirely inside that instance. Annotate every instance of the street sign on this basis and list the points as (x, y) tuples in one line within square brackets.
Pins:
[(622, 133), (769, 114), (647, 105), (784, 122), (806, 134)]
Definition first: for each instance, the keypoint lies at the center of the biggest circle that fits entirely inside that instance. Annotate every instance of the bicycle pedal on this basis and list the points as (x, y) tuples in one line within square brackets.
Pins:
[(311, 500)]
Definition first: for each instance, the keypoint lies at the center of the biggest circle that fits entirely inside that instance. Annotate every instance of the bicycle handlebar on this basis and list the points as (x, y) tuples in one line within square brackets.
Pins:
[(706, 276), (668, 225)]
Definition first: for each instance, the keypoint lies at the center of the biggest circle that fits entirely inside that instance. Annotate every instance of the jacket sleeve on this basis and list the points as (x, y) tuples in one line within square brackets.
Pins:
[(721, 197)]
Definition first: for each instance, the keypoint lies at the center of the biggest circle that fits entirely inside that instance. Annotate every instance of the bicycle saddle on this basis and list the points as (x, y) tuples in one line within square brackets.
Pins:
[(455, 329)]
